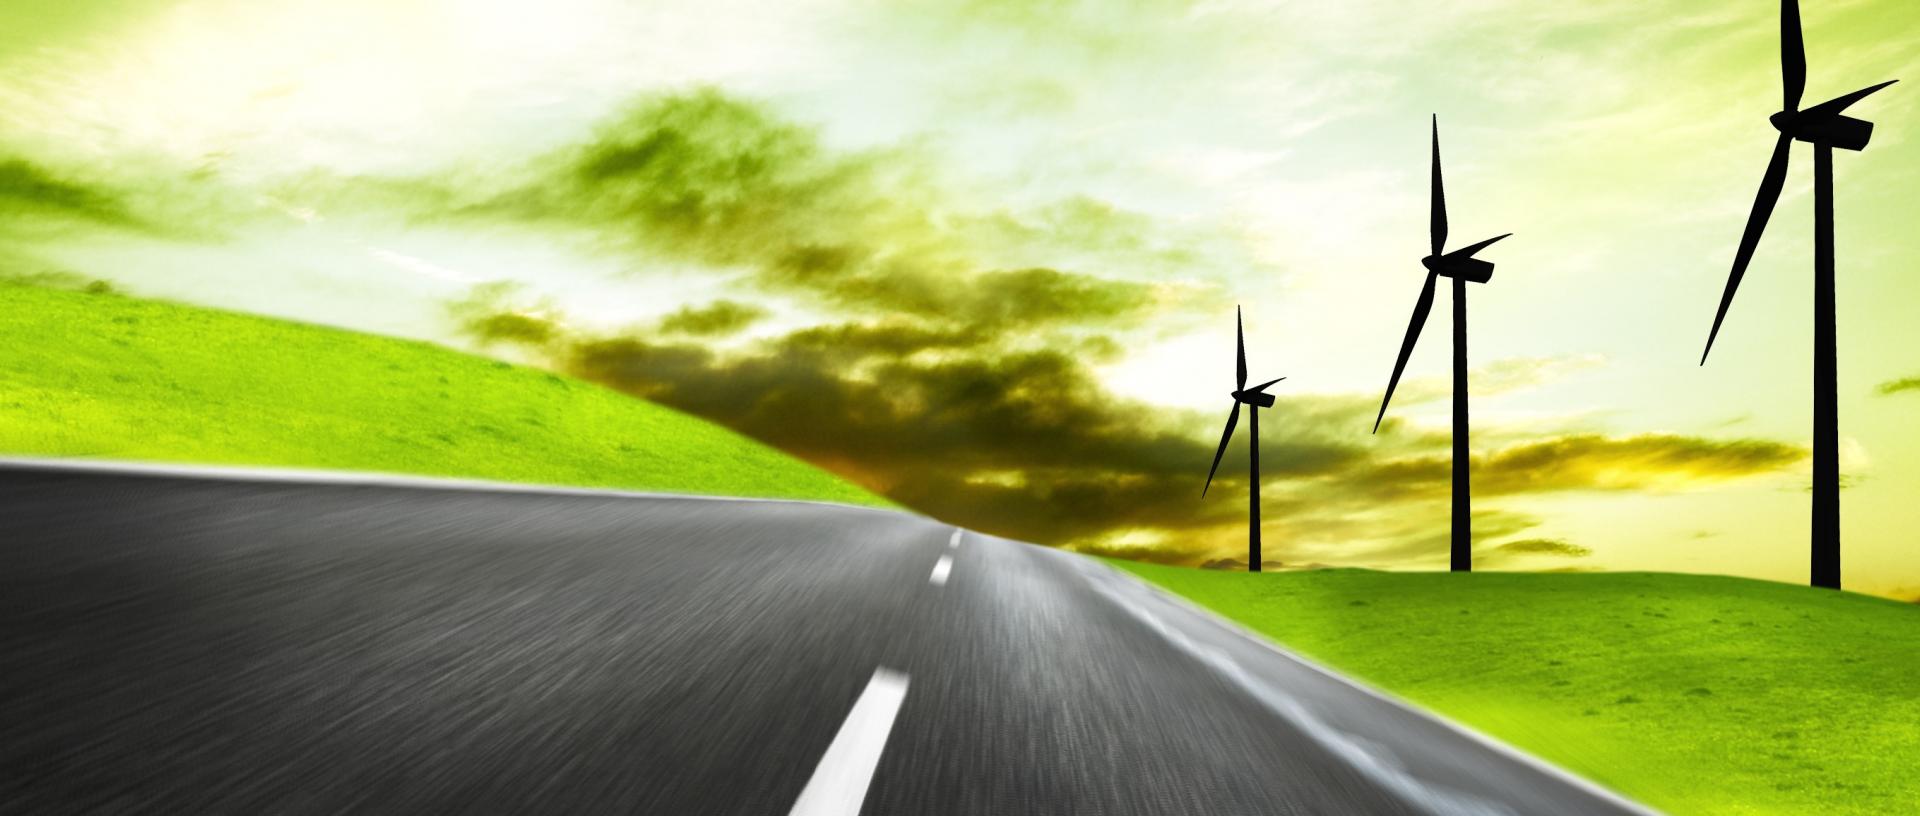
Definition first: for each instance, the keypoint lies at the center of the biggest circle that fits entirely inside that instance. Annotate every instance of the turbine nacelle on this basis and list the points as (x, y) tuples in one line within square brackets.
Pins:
[(1255, 398), (1461, 264), (1473, 270), (1843, 132)]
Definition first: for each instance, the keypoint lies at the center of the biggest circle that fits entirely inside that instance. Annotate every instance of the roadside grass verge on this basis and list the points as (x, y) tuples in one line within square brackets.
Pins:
[(100, 375), (1693, 694)]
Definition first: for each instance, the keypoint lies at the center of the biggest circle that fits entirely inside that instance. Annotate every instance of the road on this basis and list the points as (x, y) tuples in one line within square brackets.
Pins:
[(214, 644)]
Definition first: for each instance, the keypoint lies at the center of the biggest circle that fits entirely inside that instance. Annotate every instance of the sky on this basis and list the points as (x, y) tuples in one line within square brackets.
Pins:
[(984, 257)]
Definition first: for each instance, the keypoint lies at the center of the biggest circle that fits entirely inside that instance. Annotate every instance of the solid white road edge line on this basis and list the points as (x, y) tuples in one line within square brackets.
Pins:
[(360, 478), (1487, 741), (839, 783), (941, 569)]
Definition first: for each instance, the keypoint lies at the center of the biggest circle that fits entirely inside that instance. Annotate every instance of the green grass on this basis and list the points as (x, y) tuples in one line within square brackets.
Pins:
[(101, 375), (1693, 694)]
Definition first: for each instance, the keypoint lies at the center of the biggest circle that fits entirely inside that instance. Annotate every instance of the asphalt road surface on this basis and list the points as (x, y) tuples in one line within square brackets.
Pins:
[(216, 644)]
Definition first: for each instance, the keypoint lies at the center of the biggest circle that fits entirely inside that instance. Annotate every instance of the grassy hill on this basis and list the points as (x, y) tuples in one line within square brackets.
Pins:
[(94, 374), (1693, 694)]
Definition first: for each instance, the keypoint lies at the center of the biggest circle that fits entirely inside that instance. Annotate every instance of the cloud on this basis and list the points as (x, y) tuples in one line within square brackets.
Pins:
[(1897, 386), (28, 188), (1514, 550), (1521, 373), (1502, 376), (719, 318), (487, 316), (1641, 461), (511, 327), (45, 202), (721, 181), (1240, 565), (881, 401), (1586, 462), (1150, 554), (1397, 534)]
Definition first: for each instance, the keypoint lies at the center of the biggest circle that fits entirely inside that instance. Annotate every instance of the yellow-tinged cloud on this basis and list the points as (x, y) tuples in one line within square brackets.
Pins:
[(1897, 386)]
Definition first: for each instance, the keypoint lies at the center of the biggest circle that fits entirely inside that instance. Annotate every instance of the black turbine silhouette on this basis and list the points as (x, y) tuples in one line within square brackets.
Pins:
[(1254, 398), (1825, 128), (1461, 266)]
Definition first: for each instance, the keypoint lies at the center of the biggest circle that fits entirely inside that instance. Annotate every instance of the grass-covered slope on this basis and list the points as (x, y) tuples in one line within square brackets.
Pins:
[(101, 375), (1694, 694)]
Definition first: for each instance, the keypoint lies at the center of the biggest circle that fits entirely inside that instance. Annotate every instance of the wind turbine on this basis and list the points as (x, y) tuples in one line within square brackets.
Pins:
[(1461, 266), (1825, 128), (1254, 398)]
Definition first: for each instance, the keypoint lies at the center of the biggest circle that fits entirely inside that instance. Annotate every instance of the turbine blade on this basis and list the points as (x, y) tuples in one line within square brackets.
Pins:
[(1225, 436), (1770, 186), (1240, 336), (1793, 56), (1439, 225), (1838, 104), (1263, 386), (1468, 251), (1420, 309)]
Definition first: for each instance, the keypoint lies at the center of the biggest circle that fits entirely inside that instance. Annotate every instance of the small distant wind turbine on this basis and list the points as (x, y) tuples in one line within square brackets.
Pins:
[(1461, 266), (1254, 398), (1825, 128)]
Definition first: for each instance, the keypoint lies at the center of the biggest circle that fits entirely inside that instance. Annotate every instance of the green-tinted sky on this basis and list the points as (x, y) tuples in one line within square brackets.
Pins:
[(984, 256)]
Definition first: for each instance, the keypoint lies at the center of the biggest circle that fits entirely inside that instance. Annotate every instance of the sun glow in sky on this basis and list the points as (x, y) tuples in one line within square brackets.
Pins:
[(1032, 222)]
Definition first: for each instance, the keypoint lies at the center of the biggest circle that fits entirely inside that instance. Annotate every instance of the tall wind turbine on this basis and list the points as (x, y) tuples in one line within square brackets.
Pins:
[(1825, 128), (1461, 266), (1254, 398)]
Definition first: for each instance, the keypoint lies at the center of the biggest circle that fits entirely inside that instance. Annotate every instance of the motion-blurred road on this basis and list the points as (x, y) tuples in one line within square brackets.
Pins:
[(187, 644)]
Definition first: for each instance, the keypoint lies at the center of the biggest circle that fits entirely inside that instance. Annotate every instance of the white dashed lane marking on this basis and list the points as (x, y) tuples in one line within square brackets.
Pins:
[(839, 783)]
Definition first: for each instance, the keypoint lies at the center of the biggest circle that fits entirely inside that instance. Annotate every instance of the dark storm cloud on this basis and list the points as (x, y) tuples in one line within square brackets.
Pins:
[(841, 391)]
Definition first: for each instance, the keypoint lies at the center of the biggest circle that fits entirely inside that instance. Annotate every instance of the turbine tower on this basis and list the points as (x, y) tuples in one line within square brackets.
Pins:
[(1461, 266), (1824, 127), (1254, 398)]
